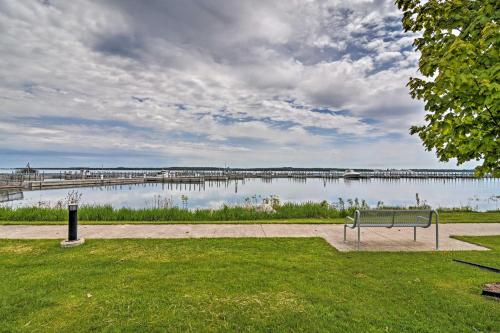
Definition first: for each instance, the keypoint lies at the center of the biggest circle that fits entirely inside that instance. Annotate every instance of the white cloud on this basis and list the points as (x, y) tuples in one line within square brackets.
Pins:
[(215, 78)]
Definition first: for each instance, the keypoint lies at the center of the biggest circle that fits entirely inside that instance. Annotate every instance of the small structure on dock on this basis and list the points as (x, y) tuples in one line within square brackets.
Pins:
[(27, 170)]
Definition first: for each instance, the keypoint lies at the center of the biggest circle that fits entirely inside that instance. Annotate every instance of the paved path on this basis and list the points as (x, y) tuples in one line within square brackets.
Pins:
[(372, 239)]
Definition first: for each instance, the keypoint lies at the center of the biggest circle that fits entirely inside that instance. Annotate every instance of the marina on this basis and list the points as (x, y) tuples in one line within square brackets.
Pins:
[(214, 187), (47, 178)]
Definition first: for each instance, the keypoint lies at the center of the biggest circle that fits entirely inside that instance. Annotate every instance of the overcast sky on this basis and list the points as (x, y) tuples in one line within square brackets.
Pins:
[(243, 83)]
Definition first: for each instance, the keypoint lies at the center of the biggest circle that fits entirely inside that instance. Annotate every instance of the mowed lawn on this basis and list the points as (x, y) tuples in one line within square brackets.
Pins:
[(241, 285)]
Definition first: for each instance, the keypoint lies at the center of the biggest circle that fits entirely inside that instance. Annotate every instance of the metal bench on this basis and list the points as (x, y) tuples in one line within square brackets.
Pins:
[(392, 218)]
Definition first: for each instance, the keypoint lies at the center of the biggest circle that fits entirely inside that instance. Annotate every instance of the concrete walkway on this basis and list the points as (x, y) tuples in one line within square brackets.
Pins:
[(372, 239)]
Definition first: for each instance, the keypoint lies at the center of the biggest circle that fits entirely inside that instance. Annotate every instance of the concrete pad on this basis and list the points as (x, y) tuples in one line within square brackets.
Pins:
[(372, 239), (68, 243)]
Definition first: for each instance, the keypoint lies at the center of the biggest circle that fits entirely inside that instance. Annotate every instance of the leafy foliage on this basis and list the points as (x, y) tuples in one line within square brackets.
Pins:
[(459, 46)]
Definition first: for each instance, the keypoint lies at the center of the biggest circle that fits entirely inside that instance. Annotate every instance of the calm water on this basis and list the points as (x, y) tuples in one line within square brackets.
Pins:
[(482, 194)]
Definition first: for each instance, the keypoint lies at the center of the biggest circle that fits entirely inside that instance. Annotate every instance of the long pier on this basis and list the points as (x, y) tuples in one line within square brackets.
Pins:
[(85, 178), (48, 184)]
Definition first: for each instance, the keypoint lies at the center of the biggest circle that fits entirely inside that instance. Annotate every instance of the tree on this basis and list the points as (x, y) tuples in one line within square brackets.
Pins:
[(459, 42)]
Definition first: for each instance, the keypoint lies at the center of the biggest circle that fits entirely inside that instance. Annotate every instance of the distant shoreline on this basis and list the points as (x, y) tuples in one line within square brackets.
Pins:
[(206, 168)]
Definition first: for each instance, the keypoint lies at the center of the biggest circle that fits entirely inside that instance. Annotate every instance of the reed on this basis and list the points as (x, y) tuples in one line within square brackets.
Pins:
[(225, 213)]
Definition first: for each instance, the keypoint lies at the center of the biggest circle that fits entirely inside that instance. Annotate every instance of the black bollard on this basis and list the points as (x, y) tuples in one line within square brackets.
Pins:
[(73, 222), (73, 239)]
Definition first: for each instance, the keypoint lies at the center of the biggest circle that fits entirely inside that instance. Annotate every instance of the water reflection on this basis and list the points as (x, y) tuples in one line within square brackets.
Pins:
[(11, 195), (481, 194)]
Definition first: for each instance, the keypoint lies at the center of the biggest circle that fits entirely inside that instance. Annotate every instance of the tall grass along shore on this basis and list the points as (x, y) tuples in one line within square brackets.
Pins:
[(296, 212)]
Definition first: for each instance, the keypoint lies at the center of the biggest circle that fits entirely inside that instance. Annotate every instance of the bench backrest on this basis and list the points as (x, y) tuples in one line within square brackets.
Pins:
[(394, 218)]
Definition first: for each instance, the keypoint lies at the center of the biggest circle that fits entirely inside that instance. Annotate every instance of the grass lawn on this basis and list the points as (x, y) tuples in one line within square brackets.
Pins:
[(270, 221), (238, 285), (464, 217), (444, 217)]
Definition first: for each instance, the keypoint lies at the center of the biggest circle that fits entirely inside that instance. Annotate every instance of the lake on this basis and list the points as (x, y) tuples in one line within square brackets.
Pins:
[(480, 194)]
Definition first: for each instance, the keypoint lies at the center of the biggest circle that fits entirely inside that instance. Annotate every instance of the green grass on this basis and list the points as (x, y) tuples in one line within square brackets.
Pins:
[(462, 217), (286, 213), (241, 285), (336, 220)]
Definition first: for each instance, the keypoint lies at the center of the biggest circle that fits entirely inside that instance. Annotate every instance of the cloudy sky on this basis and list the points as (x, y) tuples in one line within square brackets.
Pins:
[(198, 82)]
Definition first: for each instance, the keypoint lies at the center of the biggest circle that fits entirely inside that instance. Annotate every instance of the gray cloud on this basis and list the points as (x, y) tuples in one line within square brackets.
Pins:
[(122, 45)]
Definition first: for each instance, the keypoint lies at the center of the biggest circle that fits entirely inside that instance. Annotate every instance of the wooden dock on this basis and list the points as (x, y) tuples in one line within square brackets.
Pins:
[(11, 195), (52, 184)]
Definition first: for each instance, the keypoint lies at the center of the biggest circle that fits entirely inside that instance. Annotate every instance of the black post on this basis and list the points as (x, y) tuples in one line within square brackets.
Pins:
[(73, 222)]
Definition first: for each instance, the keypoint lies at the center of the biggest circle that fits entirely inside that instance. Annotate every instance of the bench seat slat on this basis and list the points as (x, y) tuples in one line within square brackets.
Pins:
[(403, 225)]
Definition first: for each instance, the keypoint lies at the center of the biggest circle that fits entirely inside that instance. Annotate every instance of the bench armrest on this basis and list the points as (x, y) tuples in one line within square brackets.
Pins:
[(425, 219)]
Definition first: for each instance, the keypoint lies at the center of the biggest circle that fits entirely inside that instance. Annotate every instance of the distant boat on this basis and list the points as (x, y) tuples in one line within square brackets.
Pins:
[(351, 174)]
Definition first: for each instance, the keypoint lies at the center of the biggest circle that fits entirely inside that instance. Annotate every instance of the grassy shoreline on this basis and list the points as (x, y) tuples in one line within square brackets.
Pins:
[(444, 217), (226, 213), (279, 213)]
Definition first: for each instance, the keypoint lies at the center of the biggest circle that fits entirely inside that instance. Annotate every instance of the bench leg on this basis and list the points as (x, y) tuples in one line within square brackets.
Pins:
[(344, 232), (414, 234), (437, 234), (359, 236)]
